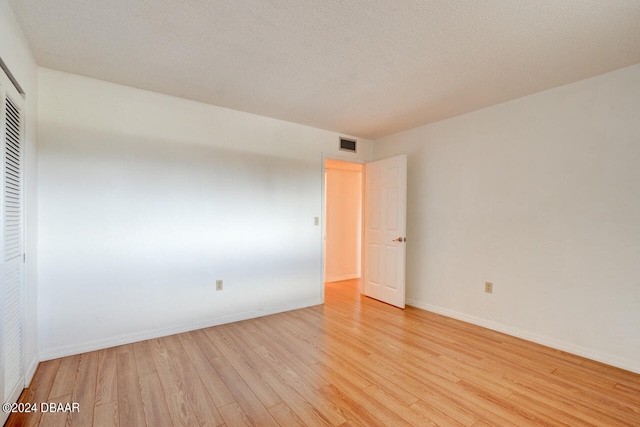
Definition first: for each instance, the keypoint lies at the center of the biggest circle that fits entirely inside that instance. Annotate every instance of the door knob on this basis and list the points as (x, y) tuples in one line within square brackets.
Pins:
[(400, 239)]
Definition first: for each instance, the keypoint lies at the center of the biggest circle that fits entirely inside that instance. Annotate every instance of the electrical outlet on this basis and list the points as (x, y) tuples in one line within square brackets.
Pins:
[(219, 285), (488, 287)]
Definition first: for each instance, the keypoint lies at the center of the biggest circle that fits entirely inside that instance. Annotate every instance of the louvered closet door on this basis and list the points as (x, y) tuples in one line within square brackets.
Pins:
[(12, 248)]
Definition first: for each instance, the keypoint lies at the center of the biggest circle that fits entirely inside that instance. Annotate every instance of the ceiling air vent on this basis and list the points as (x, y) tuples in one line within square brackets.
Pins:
[(348, 144)]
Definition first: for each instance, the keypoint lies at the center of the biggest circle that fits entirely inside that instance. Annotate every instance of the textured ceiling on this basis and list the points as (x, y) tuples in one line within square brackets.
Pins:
[(367, 68)]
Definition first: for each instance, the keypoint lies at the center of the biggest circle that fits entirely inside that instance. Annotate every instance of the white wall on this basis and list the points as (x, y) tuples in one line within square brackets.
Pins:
[(145, 200), (14, 51), (541, 196), (343, 220)]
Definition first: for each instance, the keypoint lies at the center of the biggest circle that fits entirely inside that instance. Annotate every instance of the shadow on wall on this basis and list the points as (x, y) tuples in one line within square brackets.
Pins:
[(133, 234)]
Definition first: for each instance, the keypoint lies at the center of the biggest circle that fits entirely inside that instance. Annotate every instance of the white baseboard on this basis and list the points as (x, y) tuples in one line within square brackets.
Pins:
[(627, 364), (30, 371), (69, 350), (341, 278)]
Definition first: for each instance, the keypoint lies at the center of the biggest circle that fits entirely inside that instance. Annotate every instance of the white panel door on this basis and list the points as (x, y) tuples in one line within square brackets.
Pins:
[(385, 230), (12, 247)]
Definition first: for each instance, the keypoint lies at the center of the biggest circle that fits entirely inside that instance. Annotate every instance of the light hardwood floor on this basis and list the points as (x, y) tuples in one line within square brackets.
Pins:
[(352, 361)]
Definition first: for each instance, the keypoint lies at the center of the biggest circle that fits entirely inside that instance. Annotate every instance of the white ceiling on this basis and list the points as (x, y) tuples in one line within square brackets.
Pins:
[(367, 68)]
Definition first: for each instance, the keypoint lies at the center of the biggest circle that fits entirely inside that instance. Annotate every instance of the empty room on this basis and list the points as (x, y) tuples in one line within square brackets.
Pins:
[(291, 212)]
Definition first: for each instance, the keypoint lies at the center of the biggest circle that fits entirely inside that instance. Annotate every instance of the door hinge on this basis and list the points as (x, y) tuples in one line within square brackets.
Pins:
[(24, 258)]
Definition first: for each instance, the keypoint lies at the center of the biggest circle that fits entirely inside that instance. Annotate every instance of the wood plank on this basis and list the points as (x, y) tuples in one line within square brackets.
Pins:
[(251, 405), (172, 386), (407, 413), (55, 419), (204, 409), (234, 357), (355, 414), (380, 413), (285, 416), (283, 378), (165, 367), (106, 415), (65, 377), (154, 403), (235, 416), (444, 412), (180, 409), (278, 349), (84, 390), (308, 414), (107, 381), (208, 375), (130, 409), (144, 359)]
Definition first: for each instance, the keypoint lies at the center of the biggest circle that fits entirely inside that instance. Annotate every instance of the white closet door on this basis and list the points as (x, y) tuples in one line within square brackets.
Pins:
[(12, 247)]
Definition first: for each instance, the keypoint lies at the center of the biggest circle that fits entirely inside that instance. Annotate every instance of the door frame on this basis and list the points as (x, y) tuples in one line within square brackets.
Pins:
[(342, 158)]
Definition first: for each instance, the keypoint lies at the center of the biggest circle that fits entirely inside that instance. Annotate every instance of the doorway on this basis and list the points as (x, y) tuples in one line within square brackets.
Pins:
[(343, 221), (378, 227)]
